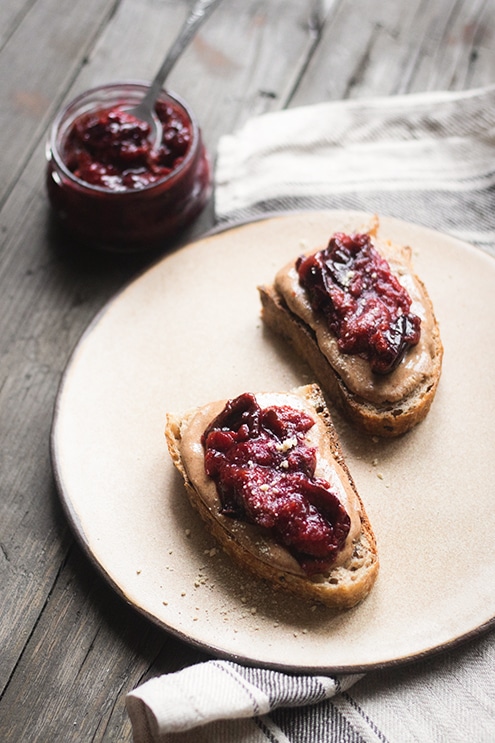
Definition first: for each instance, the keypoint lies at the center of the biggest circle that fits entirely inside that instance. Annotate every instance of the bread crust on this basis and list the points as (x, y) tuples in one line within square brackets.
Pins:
[(387, 419), (343, 586)]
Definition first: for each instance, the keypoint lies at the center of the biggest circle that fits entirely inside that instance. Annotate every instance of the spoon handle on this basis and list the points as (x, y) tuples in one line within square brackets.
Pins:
[(198, 15)]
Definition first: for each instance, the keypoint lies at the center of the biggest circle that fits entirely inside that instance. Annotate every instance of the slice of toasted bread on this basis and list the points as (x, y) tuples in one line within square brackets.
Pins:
[(385, 405), (350, 578)]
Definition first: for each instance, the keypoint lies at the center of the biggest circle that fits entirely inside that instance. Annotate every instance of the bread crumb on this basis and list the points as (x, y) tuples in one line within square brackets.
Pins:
[(243, 599), (138, 572), (379, 475), (374, 462), (165, 603), (183, 593), (187, 532)]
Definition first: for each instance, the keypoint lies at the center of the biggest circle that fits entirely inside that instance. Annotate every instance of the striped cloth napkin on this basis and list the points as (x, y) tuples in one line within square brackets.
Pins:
[(429, 159)]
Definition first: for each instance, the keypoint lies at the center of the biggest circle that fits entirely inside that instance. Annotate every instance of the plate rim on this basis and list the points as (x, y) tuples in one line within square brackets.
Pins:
[(78, 530)]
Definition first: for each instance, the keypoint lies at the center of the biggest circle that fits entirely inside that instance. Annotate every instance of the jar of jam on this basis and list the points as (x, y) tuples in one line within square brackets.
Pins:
[(110, 184)]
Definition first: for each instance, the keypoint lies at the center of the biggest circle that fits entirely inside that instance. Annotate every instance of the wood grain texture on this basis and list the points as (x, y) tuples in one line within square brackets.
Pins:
[(37, 62), (70, 649)]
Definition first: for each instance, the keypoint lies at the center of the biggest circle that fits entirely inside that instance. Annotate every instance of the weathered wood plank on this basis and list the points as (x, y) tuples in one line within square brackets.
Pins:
[(87, 651), (449, 58), (37, 62), (255, 54), (11, 16), (387, 48)]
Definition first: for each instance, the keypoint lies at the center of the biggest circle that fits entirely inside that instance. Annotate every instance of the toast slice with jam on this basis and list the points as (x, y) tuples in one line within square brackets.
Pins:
[(363, 321), (267, 475)]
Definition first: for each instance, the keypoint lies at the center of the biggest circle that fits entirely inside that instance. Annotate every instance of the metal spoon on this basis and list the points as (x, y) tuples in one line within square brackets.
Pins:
[(144, 111)]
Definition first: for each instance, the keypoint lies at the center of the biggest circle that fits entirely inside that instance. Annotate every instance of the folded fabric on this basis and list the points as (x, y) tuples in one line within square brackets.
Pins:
[(426, 158), (220, 690)]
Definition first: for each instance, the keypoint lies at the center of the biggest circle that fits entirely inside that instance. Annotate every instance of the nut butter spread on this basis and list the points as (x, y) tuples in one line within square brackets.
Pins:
[(262, 541), (413, 365)]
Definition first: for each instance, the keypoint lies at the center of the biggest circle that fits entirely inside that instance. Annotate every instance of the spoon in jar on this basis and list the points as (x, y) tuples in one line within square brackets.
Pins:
[(144, 110)]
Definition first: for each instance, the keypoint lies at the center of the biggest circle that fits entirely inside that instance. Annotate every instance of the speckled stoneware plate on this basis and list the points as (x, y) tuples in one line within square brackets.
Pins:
[(188, 331)]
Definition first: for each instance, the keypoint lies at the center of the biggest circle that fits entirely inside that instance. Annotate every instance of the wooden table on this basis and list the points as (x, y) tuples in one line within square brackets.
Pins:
[(70, 648)]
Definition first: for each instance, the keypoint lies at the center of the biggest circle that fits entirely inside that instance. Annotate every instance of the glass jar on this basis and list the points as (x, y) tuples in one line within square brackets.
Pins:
[(126, 219)]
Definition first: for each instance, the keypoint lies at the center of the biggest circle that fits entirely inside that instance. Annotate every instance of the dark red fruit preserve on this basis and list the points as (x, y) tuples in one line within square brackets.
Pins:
[(110, 185), (265, 474), (364, 304)]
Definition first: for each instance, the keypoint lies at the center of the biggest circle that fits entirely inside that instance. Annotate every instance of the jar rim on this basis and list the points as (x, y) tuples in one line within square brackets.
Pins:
[(53, 149)]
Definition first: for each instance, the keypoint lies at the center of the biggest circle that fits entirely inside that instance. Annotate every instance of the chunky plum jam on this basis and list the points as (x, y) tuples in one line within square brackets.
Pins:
[(112, 149), (109, 187), (364, 304), (265, 474)]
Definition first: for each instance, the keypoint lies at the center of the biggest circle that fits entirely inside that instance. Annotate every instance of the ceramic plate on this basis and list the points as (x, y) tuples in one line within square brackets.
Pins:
[(188, 331)]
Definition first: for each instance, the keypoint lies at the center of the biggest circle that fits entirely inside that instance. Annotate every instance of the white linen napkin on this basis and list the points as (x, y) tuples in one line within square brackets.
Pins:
[(426, 158)]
